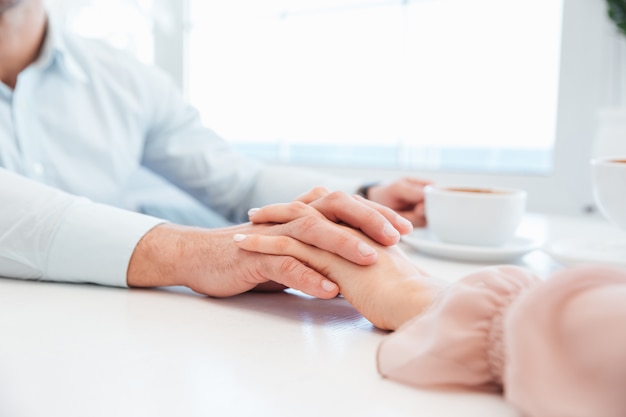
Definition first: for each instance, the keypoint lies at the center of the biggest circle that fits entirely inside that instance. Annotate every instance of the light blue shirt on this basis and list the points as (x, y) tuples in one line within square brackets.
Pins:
[(93, 122)]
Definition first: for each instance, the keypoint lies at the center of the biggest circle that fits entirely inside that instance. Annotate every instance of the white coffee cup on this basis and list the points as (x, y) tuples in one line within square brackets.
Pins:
[(483, 216), (609, 188)]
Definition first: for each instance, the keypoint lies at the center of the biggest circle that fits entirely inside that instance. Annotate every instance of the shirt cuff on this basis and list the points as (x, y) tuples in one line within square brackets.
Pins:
[(94, 243)]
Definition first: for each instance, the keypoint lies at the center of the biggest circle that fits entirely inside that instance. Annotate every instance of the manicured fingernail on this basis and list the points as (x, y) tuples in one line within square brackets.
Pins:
[(365, 249), (252, 212), (239, 237), (390, 231), (329, 286)]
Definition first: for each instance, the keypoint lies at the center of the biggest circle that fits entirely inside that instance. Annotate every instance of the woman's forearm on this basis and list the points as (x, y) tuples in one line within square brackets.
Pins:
[(408, 299)]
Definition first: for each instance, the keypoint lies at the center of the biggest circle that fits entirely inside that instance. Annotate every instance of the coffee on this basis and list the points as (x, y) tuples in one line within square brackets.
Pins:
[(483, 216)]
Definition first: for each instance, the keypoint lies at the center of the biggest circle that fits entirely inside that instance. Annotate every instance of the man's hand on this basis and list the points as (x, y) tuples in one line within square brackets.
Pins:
[(388, 293), (208, 262), (406, 196)]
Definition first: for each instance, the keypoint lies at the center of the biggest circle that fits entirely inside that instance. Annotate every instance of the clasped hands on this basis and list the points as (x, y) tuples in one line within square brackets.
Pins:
[(322, 244), (379, 281)]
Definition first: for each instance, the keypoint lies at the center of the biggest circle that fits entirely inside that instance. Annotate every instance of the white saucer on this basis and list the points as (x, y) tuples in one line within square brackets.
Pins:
[(421, 240), (585, 251)]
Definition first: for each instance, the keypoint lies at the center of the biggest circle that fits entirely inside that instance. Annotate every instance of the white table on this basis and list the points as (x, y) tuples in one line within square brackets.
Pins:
[(82, 350)]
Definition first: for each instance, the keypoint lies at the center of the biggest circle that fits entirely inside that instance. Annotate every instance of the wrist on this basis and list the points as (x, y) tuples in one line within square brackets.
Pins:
[(411, 297), (154, 261), (364, 189)]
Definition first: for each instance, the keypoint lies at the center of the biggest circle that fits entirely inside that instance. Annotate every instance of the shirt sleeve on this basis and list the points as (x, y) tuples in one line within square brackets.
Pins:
[(553, 348), (456, 342), (196, 159), (46, 234), (285, 183)]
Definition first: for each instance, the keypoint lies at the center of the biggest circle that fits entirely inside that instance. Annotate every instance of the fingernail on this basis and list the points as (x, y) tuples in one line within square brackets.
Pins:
[(329, 286), (365, 249), (390, 231), (252, 212), (239, 237)]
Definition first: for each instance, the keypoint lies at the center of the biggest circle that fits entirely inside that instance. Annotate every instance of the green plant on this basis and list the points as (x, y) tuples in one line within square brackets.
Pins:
[(617, 13)]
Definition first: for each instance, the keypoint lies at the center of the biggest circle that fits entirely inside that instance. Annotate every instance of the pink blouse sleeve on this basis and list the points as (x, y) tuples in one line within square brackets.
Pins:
[(566, 346), (457, 341), (555, 348)]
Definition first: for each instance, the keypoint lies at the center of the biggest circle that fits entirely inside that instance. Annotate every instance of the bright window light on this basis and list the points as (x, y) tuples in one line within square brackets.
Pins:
[(426, 84)]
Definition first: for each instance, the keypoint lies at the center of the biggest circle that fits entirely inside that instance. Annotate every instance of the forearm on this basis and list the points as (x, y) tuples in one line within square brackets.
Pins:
[(158, 258)]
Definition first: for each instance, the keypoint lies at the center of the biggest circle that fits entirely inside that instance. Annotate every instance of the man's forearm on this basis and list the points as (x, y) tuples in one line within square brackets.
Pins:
[(159, 258)]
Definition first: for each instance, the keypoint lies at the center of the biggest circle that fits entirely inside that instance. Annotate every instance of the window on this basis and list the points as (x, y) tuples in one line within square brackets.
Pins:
[(407, 84), (487, 92)]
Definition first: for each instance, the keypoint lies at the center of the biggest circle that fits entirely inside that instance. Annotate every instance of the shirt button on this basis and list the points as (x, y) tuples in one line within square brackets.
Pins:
[(38, 168)]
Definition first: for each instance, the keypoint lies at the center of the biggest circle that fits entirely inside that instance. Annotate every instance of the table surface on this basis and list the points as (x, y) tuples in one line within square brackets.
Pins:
[(86, 350)]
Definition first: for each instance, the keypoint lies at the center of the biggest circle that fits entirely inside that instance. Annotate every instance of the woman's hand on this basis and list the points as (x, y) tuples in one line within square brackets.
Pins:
[(380, 223), (388, 293)]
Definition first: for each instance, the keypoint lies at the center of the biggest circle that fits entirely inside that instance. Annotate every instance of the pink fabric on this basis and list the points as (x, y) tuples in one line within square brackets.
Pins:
[(556, 348)]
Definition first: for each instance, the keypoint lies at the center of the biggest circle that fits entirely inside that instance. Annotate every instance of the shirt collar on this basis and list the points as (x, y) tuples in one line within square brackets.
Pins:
[(54, 50)]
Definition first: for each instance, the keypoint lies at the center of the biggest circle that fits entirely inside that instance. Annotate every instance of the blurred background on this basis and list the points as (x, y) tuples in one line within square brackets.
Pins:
[(487, 92)]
